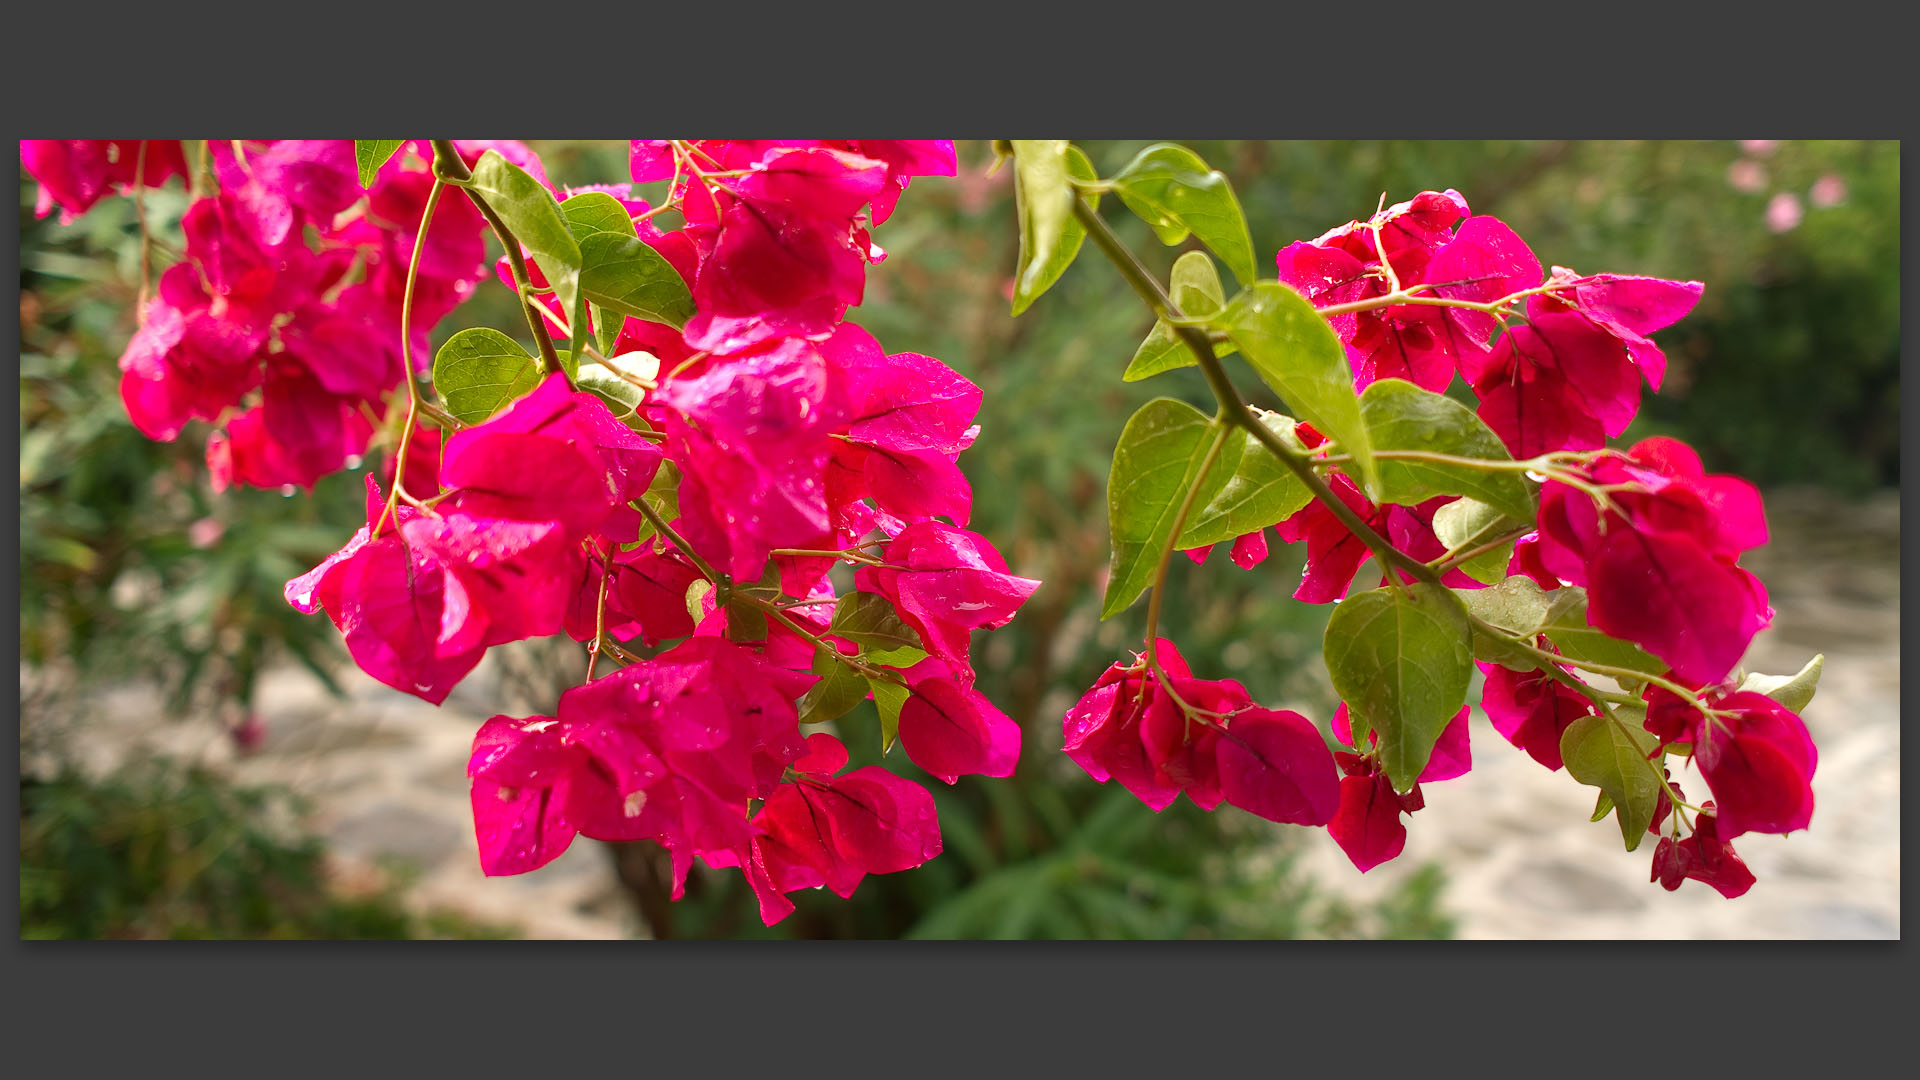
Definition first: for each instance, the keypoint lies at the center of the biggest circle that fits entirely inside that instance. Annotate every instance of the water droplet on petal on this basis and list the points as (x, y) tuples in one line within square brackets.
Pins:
[(287, 490)]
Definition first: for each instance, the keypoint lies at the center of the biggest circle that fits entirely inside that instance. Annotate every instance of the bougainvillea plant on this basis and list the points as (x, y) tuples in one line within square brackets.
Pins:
[(1598, 588), (698, 438)]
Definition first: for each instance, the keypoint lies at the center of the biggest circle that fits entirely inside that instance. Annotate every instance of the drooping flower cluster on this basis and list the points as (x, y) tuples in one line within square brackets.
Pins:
[(792, 438), (282, 323), (1417, 294), (773, 442)]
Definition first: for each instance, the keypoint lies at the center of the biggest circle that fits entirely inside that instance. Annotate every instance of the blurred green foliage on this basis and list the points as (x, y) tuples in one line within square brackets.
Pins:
[(1787, 372), (160, 850)]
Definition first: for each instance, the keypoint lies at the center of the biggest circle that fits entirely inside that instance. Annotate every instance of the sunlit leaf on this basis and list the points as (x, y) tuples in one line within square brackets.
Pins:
[(480, 371), (370, 154), (1295, 352), (1175, 193)]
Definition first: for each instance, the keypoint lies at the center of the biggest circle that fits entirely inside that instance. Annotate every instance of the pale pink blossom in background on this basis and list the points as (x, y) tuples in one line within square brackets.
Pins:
[(205, 532), (1829, 190), (1783, 212), (1746, 175), (1759, 147)]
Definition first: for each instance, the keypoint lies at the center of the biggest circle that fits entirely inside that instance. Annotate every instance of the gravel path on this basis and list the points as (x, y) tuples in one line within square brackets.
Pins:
[(386, 775)]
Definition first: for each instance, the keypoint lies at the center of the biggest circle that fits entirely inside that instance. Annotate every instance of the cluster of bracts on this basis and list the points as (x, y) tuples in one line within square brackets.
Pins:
[(776, 442), (1652, 538)]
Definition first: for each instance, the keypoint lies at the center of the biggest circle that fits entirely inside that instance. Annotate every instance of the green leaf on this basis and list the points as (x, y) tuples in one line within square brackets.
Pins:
[(888, 699), (663, 496), (1516, 605), (840, 688), (622, 397), (1602, 807), (746, 621), (869, 621), (1296, 353), (1402, 416), (1050, 237), (1793, 691), (1160, 457), (903, 657), (1463, 519), (606, 328), (618, 271), (1258, 490), (697, 591), (1399, 659), (480, 371), (1173, 191), (1565, 624), (1600, 752), (370, 154), (1195, 288), (533, 216)]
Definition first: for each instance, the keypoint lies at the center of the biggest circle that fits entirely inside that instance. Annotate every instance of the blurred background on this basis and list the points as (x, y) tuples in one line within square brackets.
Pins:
[(199, 760)]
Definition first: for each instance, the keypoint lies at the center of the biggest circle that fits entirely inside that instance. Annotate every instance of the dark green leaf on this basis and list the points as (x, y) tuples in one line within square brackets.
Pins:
[(1399, 658), (869, 621), (1296, 353), (1611, 756), (1565, 624), (480, 371), (1794, 691), (618, 271), (1258, 490), (1161, 456), (840, 688), (1195, 289), (1402, 416), (1049, 235), (533, 216), (370, 154), (1173, 191), (888, 698), (1460, 521), (746, 621)]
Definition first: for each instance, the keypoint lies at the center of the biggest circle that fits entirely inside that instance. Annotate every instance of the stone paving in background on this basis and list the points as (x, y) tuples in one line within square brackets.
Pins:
[(385, 773)]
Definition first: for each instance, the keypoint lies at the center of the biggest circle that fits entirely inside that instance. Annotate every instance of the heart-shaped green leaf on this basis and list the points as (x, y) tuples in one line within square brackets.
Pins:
[(1603, 753), (1175, 193), (840, 688), (1403, 417), (869, 621), (1516, 605), (1296, 353), (480, 371), (1460, 521), (1794, 691), (1050, 237), (1258, 490), (618, 271), (1400, 660), (889, 698), (1162, 454), (370, 154), (1195, 289), (532, 214), (1565, 624)]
